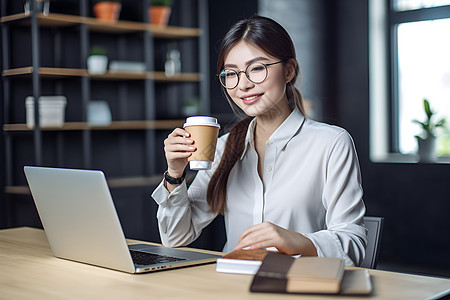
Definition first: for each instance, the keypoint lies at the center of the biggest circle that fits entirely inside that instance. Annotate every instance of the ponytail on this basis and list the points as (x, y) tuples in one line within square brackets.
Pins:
[(217, 187), (295, 98)]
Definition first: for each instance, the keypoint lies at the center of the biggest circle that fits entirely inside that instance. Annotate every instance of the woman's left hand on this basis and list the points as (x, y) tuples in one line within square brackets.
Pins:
[(266, 235)]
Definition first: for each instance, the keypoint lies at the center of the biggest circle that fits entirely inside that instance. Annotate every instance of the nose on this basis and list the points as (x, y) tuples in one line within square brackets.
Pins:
[(244, 83)]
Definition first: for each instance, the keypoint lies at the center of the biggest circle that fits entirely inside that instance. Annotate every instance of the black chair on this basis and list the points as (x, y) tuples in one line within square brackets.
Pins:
[(374, 225)]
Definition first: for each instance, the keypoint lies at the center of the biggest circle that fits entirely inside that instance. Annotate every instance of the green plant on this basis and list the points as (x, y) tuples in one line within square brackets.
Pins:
[(97, 50), (160, 2), (429, 126)]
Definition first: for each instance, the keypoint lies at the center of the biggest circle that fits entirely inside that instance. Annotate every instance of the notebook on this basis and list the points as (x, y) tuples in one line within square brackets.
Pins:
[(81, 223), (281, 273)]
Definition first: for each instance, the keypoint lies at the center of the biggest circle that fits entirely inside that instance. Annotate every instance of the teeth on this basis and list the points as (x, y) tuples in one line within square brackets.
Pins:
[(250, 98)]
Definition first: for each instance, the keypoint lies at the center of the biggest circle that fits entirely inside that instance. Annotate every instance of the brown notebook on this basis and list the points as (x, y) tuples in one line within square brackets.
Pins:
[(284, 274)]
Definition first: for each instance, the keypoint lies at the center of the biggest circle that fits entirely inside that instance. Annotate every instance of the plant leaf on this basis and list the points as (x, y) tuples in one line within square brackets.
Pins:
[(426, 106), (440, 123), (418, 122)]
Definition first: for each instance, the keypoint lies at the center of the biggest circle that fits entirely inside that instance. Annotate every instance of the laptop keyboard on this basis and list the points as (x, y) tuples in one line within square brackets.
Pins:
[(145, 258)]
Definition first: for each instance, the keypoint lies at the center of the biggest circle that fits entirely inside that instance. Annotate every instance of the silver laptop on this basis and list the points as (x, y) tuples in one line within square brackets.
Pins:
[(81, 224)]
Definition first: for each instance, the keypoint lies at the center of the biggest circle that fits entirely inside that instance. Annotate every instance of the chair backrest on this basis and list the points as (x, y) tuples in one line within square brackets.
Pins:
[(374, 226)]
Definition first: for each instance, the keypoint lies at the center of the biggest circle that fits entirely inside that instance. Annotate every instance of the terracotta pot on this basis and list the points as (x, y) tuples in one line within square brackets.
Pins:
[(107, 11), (159, 15)]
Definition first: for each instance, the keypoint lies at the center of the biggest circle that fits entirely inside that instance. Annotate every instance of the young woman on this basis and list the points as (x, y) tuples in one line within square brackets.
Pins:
[(280, 179)]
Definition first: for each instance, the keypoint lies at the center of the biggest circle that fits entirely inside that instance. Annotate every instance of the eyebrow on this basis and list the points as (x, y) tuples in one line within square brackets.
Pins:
[(259, 58)]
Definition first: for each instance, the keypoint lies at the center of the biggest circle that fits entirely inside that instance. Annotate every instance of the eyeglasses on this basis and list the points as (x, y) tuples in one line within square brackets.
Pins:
[(256, 72)]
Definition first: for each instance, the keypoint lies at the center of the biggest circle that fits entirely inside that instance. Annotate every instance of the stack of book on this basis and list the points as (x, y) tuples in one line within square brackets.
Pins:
[(278, 273)]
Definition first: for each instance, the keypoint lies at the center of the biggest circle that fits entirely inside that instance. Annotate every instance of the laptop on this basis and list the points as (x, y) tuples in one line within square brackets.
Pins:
[(81, 223)]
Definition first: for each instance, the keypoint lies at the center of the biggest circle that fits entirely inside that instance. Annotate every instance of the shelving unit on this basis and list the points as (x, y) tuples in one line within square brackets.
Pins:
[(140, 120)]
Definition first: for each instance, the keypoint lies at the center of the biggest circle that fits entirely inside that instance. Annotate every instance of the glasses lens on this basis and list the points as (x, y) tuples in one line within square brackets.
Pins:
[(228, 78), (257, 72)]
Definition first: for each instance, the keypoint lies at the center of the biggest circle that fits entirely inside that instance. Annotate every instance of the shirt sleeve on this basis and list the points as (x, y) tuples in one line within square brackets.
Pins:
[(345, 235), (183, 213)]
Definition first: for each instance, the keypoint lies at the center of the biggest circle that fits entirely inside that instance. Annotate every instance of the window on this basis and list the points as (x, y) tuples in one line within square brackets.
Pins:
[(409, 62), (402, 5), (423, 72)]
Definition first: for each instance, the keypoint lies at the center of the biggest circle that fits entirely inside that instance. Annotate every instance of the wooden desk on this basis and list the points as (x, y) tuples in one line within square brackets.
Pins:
[(28, 270)]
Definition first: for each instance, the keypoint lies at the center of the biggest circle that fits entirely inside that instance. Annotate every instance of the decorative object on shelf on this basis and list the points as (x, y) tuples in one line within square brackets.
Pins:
[(98, 113), (159, 12), (97, 61), (107, 10), (126, 66), (51, 111), (42, 6), (172, 64), (427, 140)]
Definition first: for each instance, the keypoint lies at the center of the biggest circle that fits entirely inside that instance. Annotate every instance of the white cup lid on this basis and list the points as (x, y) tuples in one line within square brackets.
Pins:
[(201, 121), (200, 165)]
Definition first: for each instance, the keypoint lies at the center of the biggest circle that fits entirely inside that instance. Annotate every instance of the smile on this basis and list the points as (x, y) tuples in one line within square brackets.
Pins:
[(251, 99)]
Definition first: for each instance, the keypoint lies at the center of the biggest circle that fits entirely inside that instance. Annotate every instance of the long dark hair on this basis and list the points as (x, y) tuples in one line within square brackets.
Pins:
[(272, 38)]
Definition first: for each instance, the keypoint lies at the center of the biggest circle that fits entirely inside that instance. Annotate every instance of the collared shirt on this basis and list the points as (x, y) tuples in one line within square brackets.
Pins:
[(311, 184)]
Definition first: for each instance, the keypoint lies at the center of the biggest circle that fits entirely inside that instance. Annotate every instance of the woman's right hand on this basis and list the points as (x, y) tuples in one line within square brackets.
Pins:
[(178, 147)]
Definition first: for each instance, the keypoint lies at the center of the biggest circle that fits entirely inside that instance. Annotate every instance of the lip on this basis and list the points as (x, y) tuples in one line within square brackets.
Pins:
[(250, 99)]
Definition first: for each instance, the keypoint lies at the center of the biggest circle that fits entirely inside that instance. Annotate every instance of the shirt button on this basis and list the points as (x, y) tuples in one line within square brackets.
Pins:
[(269, 168), (269, 142)]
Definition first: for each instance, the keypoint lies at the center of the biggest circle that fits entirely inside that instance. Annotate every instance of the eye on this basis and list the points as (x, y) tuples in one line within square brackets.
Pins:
[(229, 74), (257, 68)]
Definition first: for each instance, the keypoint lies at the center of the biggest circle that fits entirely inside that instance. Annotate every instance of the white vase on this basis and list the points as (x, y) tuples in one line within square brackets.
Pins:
[(97, 64), (427, 149)]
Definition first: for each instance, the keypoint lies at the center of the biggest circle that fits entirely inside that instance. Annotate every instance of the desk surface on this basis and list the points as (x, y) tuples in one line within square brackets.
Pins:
[(29, 270)]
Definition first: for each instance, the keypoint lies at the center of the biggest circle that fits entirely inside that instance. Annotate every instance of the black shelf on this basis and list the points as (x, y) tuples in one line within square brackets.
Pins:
[(46, 55)]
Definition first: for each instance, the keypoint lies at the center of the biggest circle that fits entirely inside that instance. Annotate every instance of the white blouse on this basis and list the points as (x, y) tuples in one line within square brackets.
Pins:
[(311, 184)]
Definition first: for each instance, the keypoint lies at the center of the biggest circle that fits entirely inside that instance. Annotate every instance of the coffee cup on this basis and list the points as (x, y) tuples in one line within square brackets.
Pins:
[(204, 131)]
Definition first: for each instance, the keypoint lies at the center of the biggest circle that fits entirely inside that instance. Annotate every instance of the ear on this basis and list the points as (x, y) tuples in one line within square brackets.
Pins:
[(290, 68)]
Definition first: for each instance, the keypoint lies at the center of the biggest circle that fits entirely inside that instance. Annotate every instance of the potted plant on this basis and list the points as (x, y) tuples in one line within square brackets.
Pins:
[(97, 61), (427, 140), (107, 10), (159, 12)]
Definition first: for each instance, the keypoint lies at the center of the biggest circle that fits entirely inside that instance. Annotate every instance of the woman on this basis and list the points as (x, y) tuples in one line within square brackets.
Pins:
[(279, 179)]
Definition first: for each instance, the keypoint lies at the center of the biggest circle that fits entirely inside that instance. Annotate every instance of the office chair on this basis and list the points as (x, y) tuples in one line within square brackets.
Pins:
[(374, 226)]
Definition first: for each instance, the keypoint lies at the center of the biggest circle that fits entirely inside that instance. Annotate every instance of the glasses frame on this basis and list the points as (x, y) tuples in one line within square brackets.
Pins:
[(246, 73)]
